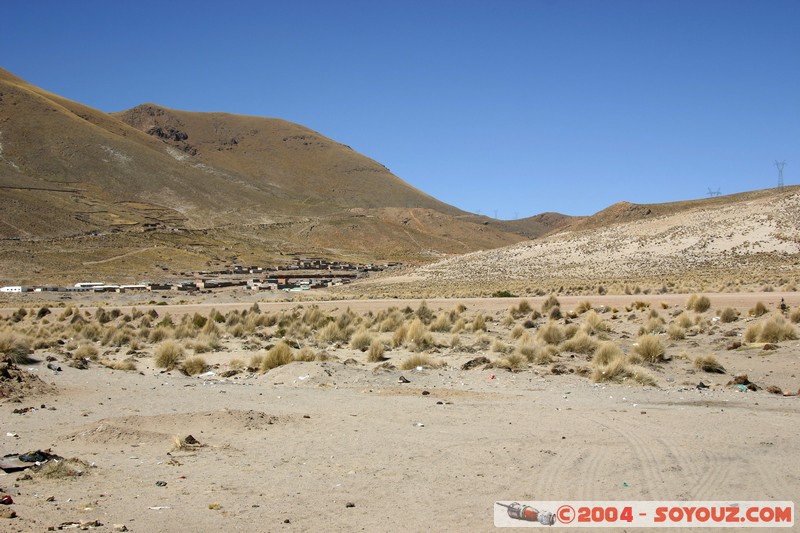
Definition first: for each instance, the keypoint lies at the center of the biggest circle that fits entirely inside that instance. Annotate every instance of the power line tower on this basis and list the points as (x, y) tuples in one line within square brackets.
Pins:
[(780, 165)]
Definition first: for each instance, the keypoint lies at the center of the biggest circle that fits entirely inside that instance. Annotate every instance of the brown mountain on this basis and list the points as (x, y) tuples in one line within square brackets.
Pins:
[(89, 193)]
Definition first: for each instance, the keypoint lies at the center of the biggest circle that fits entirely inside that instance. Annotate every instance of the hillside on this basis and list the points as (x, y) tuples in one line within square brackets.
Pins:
[(749, 241), (117, 194)]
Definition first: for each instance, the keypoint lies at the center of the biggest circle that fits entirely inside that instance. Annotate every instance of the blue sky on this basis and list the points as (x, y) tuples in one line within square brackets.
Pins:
[(507, 108)]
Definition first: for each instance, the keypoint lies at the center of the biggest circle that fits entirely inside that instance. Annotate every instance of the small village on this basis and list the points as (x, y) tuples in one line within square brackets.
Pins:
[(301, 275)]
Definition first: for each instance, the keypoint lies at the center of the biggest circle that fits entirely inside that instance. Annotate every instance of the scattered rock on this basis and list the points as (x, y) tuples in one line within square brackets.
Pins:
[(472, 363), (120, 527), (403, 379), (229, 373), (734, 345), (349, 504), (161, 483), (741, 379), (559, 369), (769, 347), (7, 513), (350, 362), (425, 393), (773, 389)]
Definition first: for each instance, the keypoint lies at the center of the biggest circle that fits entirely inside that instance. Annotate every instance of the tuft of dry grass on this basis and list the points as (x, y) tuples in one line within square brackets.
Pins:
[(728, 315), (774, 329), (583, 307), (361, 340), (708, 363), (279, 355), (650, 348), (126, 365), (168, 354), (606, 352), (580, 343), (194, 365), (549, 303), (15, 347), (375, 351), (419, 360), (758, 310), (513, 362), (551, 333), (63, 469), (698, 303), (675, 332)]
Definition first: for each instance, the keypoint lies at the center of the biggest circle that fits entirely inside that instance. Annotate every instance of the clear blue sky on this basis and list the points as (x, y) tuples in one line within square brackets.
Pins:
[(513, 107)]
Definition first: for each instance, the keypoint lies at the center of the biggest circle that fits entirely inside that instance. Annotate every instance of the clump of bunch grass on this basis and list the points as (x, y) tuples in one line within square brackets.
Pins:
[(279, 355), (550, 302), (758, 310), (194, 365), (618, 370), (593, 323), (579, 343), (698, 303), (774, 329), (375, 351), (551, 333), (709, 363), (86, 351), (418, 336), (15, 347), (675, 332), (168, 354), (419, 360), (513, 362), (361, 340), (127, 365), (728, 315), (606, 352), (650, 348)]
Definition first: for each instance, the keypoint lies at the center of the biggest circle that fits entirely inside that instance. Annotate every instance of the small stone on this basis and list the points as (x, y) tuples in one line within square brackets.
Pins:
[(425, 393), (287, 521), (8, 513), (403, 379), (349, 504), (161, 483), (120, 527), (306, 416)]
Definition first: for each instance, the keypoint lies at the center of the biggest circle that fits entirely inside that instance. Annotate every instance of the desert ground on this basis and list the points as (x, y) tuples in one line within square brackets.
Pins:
[(315, 416)]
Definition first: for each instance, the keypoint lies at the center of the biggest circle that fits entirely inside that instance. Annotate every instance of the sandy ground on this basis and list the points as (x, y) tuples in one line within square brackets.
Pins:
[(330, 446)]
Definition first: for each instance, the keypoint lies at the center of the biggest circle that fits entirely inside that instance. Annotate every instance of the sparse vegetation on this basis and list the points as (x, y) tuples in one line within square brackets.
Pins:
[(709, 363), (650, 348), (168, 354)]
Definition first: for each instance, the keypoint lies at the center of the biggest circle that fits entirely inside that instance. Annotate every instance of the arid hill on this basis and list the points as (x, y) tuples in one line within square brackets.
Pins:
[(116, 195), (748, 241)]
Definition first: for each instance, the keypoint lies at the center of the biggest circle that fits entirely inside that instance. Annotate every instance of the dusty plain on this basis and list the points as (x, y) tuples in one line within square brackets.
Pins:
[(344, 444)]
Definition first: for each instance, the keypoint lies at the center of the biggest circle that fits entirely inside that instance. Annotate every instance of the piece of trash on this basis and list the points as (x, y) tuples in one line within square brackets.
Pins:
[(6, 499), (741, 388), (161, 483), (625, 484), (159, 507), (349, 504), (702, 385), (301, 378), (403, 379), (419, 425), (10, 434), (120, 527), (491, 376)]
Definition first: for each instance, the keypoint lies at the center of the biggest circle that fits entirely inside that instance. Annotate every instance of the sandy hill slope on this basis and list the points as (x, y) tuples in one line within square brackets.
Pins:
[(150, 186), (731, 243)]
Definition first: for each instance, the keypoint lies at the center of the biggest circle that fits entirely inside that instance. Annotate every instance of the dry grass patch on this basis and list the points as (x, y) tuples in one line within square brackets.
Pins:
[(279, 355), (86, 351), (758, 310), (419, 360), (551, 333), (728, 315), (126, 365), (579, 343), (168, 354), (698, 303), (375, 351), (774, 329), (606, 352), (650, 348), (194, 365), (361, 341), (709, 363)]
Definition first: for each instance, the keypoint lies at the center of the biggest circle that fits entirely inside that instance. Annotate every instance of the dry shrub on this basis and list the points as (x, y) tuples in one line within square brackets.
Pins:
[(418, 335), (684, 320), (728, 315), (650, 348), (419, 360), (518, 332), (499, 346), (513, 362), (594, 323), (424, 312), (278, 355), (479, 323), (758, 310), (442, 324), (393, 321), (555, 313), (549, 303), (794, 316), (698, 303), (551, 333), (62, 469), (583, 307), (126, 365), (158, 334), (399, 336), (361, 340), (653, 325), (313, 317), (236, 364), (579, 343), (776, 329), (455, 341), (507, 321), (538, 353), (305, 354), (86, 351), (458, 326), (15, 347), (256, 361), (194, 365), (375, 352), (606, 352), (675, 332), (618, 370), (168, 354), (709, 363)]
